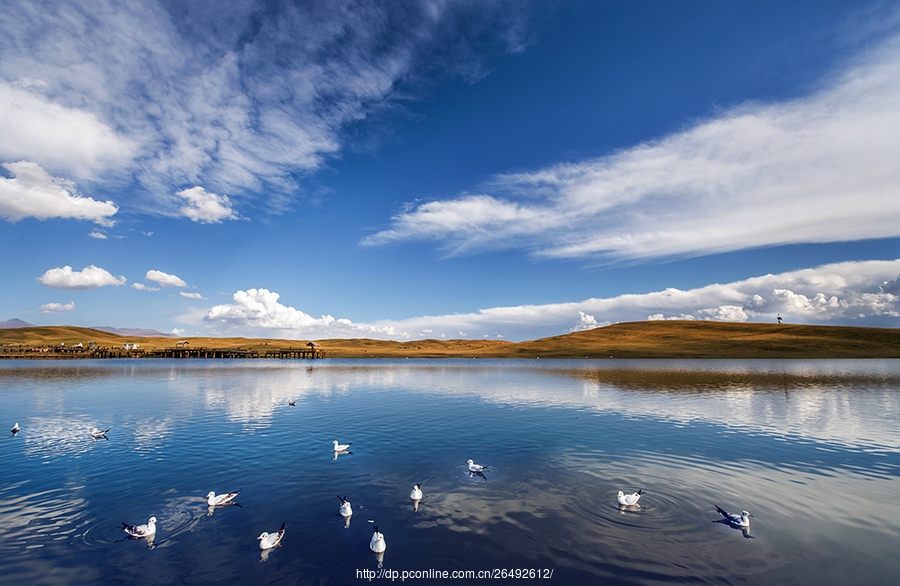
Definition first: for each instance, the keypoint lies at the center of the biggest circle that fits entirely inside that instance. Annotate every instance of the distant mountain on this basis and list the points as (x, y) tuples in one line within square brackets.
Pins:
[(15, 323), (133, 332)]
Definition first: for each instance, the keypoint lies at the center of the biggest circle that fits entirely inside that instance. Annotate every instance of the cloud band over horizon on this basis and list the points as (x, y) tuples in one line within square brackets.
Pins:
[(839, 293)]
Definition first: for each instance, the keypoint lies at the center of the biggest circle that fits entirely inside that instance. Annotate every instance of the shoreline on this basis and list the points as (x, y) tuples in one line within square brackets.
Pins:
[(647, 339)]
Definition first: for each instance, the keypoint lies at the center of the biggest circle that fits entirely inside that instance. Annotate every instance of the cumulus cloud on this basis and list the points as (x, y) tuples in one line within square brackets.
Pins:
[(88, 278), (891, 287), (97, 234), (191, 295), (821, 168), (164, 279), (259, 309), (587, 322), (205, 207), (51, 308), (31, 192), (142, 287), (176, 93), (836, 294)]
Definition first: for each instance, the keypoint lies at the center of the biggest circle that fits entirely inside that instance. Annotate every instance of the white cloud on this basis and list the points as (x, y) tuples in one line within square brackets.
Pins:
[(187, 93), (259, 309), (32, 192), (51, 308), (205, 207), (90, 277), (142, 287), (816, 169), (892, 287), (191, 295), (35, 128), (587, 322), (164, 279), (177, 331), (830, 294), (97, 234)]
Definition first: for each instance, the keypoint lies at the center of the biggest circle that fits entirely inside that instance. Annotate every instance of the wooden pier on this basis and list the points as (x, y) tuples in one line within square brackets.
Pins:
[(307, 353)]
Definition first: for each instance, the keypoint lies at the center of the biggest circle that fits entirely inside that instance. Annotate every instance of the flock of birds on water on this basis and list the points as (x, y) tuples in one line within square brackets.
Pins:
[(268, 541)]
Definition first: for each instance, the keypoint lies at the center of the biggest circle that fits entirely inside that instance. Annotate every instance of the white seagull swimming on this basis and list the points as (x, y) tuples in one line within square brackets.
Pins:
[(742, 520), (340, 447), (15, 428), (97, 434), (346, 510), (377, 543), (212, 499), (629, 500), (416, 493), (267, 541), (473, 467), (141, 530)]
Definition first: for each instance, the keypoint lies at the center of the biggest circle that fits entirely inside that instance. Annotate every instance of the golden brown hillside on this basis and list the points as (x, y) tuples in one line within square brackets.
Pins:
[(646, 339)]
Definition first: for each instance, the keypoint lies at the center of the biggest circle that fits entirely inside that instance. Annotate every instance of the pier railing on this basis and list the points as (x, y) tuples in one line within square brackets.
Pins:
[(59, 352)]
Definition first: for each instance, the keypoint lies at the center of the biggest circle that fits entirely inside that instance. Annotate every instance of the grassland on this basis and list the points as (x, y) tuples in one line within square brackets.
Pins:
[(646, 339)]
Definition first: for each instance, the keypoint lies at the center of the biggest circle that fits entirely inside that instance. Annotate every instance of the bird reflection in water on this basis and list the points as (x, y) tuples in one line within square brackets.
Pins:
[(212, 509)]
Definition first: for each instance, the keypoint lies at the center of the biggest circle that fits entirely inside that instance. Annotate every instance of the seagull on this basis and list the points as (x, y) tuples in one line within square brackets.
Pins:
[(475, 467), (97, 434), (629, 500), (15, 428), (742, 520), (340, 447), (416, 493), (213, 500), (346, 509), (141, 530), (377, 544), (267, 541)]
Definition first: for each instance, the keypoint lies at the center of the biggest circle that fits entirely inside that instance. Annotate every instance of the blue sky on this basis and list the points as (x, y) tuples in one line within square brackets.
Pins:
[(408, 170)]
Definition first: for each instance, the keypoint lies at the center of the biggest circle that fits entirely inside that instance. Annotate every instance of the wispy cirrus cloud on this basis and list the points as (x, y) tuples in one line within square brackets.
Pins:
[(816, 169), (840, 293), (31, 192), (242, 97), (90, 277)]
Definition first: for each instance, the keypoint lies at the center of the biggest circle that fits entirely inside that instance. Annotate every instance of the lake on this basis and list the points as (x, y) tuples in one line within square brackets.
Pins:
[(808, 447)]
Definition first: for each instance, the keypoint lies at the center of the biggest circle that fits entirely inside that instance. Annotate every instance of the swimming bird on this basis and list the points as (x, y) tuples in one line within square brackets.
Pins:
[(346, 510), (377, 543), (141, 530), (267, 541), (15, 428), (742, 520), (291, 403), (475, 467), (629, 500), (97, 434), (416, 493), (213, 500), (340, 447)]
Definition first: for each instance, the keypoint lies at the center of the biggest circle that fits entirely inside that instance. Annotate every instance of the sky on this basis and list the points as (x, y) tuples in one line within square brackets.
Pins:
[(471, 169)]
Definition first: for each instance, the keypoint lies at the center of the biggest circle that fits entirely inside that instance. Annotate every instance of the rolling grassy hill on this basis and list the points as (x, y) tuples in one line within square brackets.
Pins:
[(646, 339)]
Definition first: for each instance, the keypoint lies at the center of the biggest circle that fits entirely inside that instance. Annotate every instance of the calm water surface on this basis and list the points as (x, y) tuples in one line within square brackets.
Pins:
[(810, 448)]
